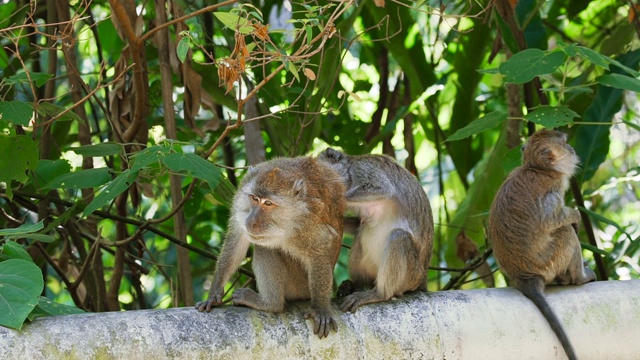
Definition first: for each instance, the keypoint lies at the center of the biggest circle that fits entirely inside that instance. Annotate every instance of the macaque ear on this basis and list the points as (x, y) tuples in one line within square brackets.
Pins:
[(332, 154), (298, 188)]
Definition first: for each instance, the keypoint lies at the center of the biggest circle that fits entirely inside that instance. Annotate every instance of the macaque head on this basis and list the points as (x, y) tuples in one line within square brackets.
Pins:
[(548, 150), (269, 203)]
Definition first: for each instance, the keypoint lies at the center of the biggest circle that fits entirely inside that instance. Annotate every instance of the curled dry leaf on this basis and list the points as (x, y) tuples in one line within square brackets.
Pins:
[(309, 74), (262, 31)]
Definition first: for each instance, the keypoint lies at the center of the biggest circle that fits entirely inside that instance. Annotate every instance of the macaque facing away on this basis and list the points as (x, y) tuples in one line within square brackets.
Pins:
[(292, 211), (393, 243), (532, 231)]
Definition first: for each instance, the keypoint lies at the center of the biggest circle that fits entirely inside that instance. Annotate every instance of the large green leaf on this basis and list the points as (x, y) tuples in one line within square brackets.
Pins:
[(21, 78), (20, 286), (47, 170), (527, 64), (13, 250), (477, 126), (17, 112), (619, 81), (148, 156), (82, 179), (47, 307), (552, 116), (22, 229), (592, 142), (194, 165), (116, 187), (19, 154)]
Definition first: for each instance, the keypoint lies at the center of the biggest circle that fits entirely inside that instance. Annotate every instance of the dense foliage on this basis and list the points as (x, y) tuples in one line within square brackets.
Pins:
[(126, 126)]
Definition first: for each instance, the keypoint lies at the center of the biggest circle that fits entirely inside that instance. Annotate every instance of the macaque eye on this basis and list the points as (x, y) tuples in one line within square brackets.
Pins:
[(268, 203), (254, 198)]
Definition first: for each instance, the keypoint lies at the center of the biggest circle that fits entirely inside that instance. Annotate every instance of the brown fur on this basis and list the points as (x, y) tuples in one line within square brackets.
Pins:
[(292, 211)]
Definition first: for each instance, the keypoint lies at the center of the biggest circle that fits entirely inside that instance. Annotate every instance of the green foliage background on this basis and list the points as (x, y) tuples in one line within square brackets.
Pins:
[(122, 147)]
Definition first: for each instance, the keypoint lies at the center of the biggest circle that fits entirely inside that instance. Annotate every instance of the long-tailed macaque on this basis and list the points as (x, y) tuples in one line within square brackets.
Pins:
[(394, 240), (532, 231), (292, 211)]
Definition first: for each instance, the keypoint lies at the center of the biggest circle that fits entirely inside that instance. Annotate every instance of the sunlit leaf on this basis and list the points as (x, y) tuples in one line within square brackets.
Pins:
[(552, 116), (20, 286), (47, 170), (487, 122), (527, 64), (233, 22)]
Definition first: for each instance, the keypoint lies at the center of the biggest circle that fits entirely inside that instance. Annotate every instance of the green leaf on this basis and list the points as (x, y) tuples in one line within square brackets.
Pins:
[(34, 236), (15, 251), (194, 165), (22, 78), (20, 286), (183, 48), (605, 220), (292, 69), (23, 229), (47, 307), (512, 159), (18, 112), (552, 116), (595, 57), (149, 156), (82, 179), (98, 150), (47, 170), (487, 122), (591, 143), (54, 110), (527, 64), (116, 187), (233, 22), (19, 154), (619, 81), (489, 71)]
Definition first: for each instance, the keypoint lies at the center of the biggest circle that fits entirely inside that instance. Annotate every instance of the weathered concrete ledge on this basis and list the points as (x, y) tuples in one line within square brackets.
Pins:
[(602, 320)]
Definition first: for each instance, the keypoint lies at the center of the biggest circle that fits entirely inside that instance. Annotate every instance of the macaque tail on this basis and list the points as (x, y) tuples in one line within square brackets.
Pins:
[(533, 288)]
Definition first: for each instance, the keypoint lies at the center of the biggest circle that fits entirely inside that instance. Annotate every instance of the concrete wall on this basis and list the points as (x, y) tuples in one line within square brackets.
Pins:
[(602, 319)]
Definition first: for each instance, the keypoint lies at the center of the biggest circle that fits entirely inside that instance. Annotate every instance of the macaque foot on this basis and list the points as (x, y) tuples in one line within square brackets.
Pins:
[(210, 303), (323, 323), (346, 288), (357, 299)]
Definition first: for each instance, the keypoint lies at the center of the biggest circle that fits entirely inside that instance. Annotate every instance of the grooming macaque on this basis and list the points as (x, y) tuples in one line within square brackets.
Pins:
[(292, 211), (533, 232), (393, 243)]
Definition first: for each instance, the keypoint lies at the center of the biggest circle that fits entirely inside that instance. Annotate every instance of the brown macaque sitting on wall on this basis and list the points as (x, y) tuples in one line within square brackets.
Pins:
[(532, 231), (292, 211)]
